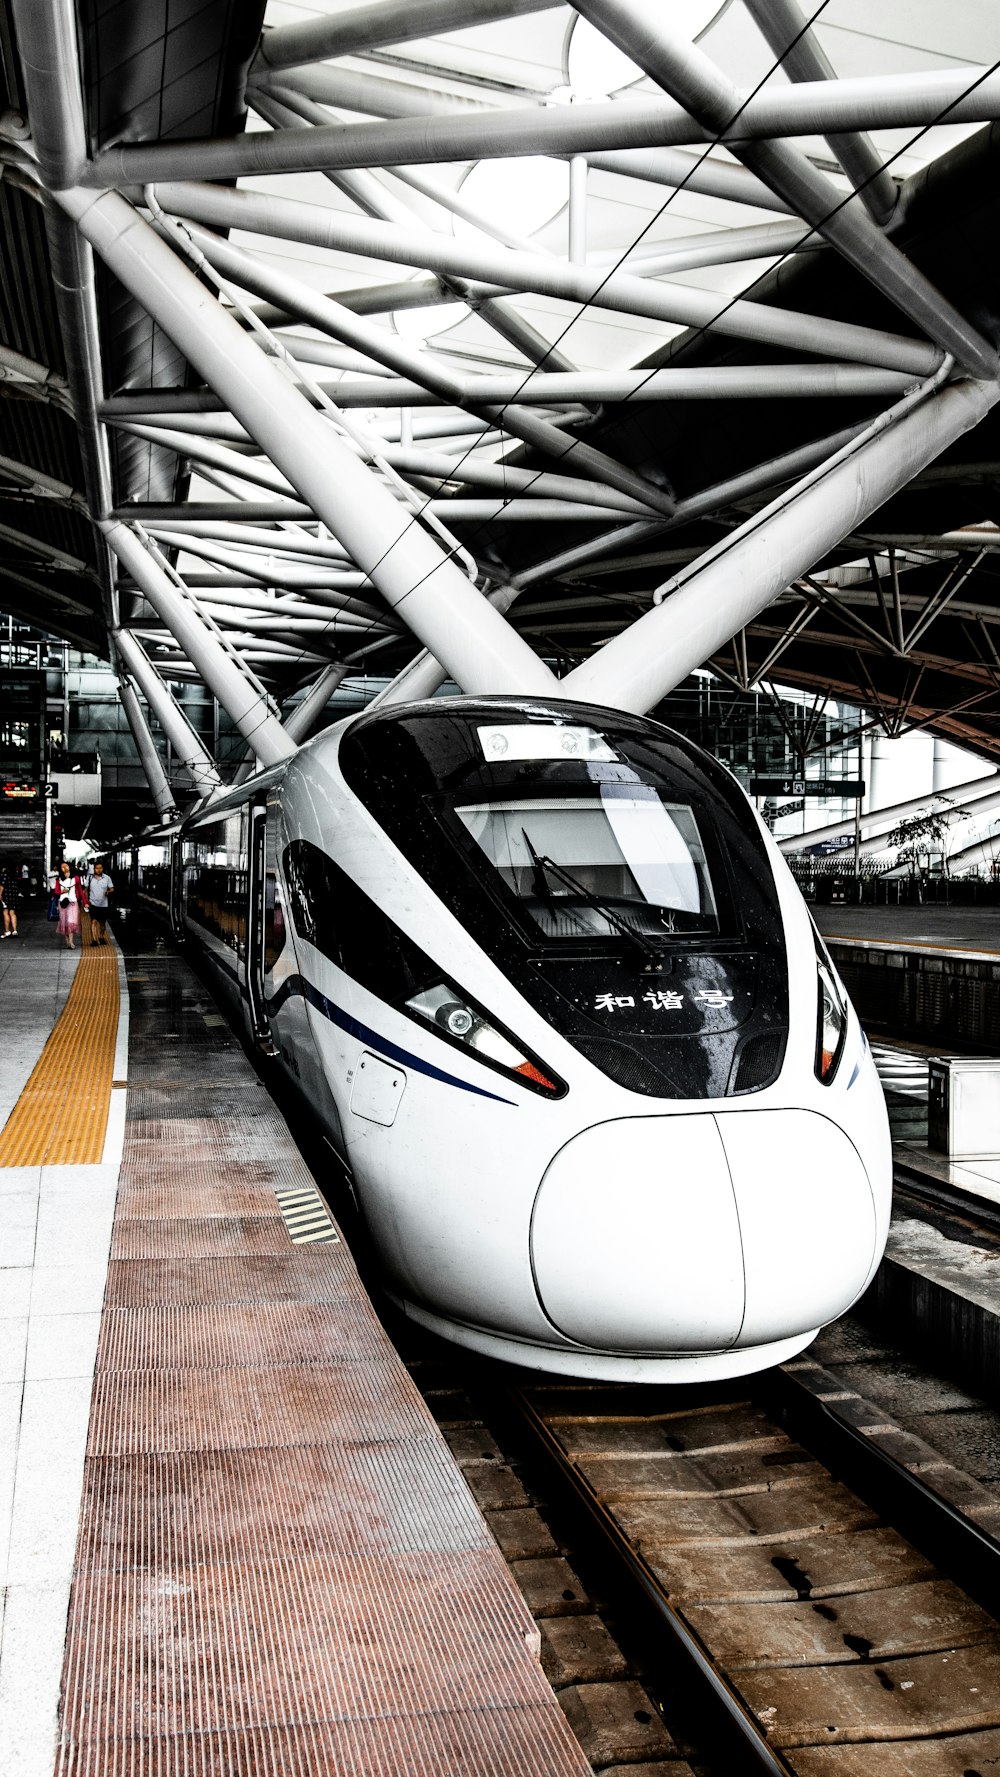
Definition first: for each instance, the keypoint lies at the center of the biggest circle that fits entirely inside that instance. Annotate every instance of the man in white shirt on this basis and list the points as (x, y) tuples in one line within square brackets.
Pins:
[(98, 889)]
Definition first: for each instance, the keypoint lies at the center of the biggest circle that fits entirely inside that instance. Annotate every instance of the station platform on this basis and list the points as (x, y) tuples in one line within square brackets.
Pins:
[(928, 975), (946, 930), (233, 1538)]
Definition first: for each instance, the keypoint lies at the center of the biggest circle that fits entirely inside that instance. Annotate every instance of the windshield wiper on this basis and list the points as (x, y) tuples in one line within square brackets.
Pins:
[(540, 864)]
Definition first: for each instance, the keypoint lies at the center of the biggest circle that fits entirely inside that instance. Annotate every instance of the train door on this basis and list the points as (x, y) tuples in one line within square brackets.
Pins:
[(256, 921), (176, 885)]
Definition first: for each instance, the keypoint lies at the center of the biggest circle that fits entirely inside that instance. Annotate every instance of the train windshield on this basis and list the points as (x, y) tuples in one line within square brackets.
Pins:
[(620, 859)]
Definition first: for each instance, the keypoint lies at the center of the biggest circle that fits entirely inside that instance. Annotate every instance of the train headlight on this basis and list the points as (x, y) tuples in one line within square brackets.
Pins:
[(456, 1018), (464, 1024), (831, 1023)]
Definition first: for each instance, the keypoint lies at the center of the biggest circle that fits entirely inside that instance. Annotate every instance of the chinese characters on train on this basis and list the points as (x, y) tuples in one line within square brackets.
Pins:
[(664, 999)]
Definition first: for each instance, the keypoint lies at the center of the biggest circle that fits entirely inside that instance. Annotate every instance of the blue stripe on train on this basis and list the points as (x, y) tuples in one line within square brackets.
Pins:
[(297, 984)]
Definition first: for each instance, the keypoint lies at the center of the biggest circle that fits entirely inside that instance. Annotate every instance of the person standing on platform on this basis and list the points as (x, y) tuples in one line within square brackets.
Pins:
[(98, 889), (8, 901), (68, 890)]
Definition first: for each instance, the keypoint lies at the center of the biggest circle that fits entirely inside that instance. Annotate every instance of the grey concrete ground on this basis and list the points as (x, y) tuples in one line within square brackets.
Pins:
[(958, 928)]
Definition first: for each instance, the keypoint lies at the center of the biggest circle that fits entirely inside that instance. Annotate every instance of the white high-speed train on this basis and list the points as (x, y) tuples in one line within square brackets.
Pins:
[(605, 1106)]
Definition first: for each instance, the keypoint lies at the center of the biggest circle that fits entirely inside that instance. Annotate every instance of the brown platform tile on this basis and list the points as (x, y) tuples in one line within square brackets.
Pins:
[(498, 1742), (173, 1511), (136, 1410), (870, 1625), (931, 1694), (150, 1162), (212, 1195), (302, 1275), (960, 1755), (811, 1566), (321, 1640), (280, 1570), (204, 1237), (240, 1335)]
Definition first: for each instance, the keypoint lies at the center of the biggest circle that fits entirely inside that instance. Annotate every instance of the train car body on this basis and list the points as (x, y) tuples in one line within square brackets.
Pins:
[(549, 985)]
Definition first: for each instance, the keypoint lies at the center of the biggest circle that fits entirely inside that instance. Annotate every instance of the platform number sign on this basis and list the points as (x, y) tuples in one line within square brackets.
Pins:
[(50, 791)]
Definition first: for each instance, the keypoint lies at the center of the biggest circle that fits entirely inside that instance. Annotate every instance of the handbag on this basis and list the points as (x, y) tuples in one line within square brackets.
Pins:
[(64, 902)]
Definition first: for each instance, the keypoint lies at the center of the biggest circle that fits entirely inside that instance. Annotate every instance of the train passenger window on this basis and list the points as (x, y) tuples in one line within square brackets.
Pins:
[(307, 889), (274, 920), (332, 912), (216, 879), (274, 906)]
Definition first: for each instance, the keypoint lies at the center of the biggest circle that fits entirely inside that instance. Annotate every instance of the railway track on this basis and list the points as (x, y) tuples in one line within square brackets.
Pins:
[(808, 1587)]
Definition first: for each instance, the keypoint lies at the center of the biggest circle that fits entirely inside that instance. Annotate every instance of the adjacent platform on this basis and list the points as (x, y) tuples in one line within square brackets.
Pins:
[(927, 974), (278, 1566)]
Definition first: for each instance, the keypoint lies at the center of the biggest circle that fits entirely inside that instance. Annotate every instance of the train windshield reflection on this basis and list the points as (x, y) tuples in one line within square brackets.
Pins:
[(581, 866)]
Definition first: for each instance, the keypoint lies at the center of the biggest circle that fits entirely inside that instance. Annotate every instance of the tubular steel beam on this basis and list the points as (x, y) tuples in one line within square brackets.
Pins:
[(244, 704), (443, 383), (960, 794), (47, 42), (152, 765), (969, 95), (407, 565), (640, 29), (671, 166), (310, 225), (363, 28), (740, 578), (188, 746), (794, 42), (301, 718)]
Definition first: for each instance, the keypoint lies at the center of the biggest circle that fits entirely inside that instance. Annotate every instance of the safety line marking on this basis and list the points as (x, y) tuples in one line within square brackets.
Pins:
[(306, 1216), (61, 1116)]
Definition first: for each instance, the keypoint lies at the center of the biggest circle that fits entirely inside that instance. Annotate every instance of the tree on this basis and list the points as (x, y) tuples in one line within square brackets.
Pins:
[(921, 833)]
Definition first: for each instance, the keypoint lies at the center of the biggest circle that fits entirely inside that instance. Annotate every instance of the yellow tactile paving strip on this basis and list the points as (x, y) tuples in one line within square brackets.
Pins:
[(61, 1116)]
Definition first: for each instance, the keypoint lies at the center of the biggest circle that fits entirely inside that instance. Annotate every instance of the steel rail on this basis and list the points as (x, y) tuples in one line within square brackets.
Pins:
[(963, 1551), (731, 1714)]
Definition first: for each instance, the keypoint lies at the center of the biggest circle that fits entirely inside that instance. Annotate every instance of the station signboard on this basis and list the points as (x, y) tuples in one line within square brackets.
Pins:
[(848, 789), (16, 790)]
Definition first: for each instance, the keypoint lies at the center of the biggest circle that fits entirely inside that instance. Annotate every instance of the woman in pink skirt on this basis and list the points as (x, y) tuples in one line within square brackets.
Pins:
[(67, 889)]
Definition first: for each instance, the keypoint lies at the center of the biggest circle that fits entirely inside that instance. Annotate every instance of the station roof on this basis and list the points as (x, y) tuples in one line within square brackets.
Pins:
[(903, 616)]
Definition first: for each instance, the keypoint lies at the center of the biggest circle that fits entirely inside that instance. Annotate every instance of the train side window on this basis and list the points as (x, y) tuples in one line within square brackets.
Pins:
[(274, 902), (304, 892), (216, 878), (274, 920), (332, 912)]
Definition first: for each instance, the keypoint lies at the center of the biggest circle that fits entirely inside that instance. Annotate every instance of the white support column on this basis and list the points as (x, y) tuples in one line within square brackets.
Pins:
[(302, 717), (409, 568), (741, 576), (187, 745), (156, 777), (965, 794), (243, 702)]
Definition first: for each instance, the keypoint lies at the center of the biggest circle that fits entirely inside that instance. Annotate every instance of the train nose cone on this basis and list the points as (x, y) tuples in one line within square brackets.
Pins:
[(635, 1239), (807, 1218)]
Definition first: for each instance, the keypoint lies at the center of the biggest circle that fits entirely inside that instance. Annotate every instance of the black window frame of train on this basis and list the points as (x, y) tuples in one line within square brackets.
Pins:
[(330, 911), (412, 766)]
